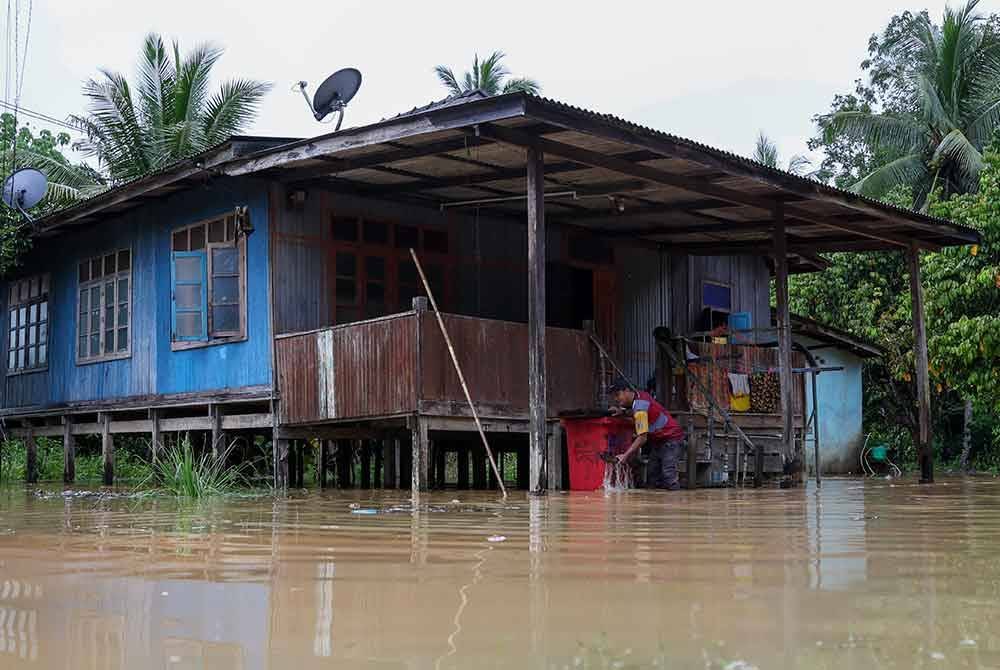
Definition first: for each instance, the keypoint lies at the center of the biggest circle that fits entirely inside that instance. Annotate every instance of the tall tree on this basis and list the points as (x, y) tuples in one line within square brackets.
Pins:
[(24, 148), (488, 75), (928, 109), (170, 113)]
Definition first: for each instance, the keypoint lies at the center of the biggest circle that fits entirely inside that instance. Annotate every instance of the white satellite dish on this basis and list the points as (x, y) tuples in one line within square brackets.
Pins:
[(24, 189), (333, 94)]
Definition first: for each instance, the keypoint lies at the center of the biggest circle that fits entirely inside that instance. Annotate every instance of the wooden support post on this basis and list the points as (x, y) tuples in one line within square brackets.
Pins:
[(366, 464), (463, 467), (344, 464), (155, 439), (279, 451), (785, 376), (421, 454), (479, 474), (321, 463), (925, 452), (390, 464), (218, 437), (69, 451), (692, 457), (524, 471), (31, 454), (107, 448), (379, 454), (554, 462), (537, 406)]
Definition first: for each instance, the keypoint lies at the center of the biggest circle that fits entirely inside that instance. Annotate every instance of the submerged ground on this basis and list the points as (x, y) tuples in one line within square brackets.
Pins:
[(858, 574)]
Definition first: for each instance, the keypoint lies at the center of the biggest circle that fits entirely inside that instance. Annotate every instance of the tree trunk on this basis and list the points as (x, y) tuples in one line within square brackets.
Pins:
[(966, 436)]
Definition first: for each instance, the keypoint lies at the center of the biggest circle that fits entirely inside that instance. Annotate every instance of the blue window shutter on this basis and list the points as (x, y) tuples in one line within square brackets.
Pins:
[(189, 296)]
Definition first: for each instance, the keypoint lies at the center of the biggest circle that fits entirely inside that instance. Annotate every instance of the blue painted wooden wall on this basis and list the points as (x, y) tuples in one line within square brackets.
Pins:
[(153, 367)]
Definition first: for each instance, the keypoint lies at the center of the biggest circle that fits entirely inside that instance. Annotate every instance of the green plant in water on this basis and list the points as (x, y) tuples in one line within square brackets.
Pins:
[(181, 472)]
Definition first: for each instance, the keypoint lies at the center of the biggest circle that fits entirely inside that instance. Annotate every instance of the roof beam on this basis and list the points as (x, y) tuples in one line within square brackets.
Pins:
[(731, 165), (692, 184), (400, 128)]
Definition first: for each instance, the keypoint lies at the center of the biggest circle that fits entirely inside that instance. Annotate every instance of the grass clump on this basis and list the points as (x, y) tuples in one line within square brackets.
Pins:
[(184, 474)]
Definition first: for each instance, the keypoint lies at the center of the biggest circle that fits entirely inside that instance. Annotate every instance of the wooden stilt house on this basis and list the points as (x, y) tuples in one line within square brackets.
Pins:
[(265, 287)]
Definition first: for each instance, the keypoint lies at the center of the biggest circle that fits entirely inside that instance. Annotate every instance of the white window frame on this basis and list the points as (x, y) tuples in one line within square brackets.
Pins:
[(22, 296), (101, 283)]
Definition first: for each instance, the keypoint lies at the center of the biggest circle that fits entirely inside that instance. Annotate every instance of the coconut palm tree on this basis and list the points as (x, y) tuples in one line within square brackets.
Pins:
[(951, 80), (170, 113), (488, 75), (766, 153)]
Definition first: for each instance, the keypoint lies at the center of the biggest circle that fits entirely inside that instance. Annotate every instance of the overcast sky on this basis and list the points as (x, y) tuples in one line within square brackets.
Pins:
[(717, 72)]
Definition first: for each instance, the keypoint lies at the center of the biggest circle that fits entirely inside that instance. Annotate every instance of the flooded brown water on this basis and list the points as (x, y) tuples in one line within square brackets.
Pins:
[(855, 575)]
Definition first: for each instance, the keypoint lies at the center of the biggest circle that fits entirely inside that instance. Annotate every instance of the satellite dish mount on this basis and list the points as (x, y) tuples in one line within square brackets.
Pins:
[(24, 189), (333, 94)]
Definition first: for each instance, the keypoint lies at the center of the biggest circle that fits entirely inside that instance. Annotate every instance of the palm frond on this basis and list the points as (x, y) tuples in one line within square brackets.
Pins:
[(447, 78), (233, 106), (190, 96), (156, 83), (955, 150), (522, 85), (800, 165), (904, 171), (766, 152), (880, 130)]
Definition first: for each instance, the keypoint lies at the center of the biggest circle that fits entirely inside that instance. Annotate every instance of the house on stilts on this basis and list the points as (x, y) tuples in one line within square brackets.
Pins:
[(264, 289)]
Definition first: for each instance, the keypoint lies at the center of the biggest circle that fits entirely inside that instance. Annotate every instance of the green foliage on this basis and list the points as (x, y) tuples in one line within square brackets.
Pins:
[(930, 105), (868, 294), (130, 465), (180, 472), (24, 148), (766, 153), (169, 114), (488, 75)]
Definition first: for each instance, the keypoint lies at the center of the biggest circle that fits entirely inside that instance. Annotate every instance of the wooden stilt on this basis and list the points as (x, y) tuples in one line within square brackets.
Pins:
[(463, 468), (155, 439), (218, 438), (279, 452), (366, 464), (31, 454), (784, 342), (439, 464), (925, 451), (420, 447), (379, 453), (536, 319), (344, 464), (524, 471), (479, 469), (554, 461), (390, 466), (69, 451), (107, 449), (321, 463)]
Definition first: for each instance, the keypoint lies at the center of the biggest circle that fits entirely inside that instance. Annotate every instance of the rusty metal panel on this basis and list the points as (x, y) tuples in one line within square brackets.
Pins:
[(375, 367), (494, 360), (298, 378)]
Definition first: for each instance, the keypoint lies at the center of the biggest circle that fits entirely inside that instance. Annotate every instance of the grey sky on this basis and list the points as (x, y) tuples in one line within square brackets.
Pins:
[(715, 72)]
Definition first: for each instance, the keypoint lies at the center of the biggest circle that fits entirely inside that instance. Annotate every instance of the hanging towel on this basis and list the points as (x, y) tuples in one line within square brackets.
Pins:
[(740, 383)]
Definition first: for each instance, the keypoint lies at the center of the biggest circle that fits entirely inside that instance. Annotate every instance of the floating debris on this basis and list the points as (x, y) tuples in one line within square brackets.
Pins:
[(967, 643), (937, 656), (496, 538), (364, 511), (354, 505)]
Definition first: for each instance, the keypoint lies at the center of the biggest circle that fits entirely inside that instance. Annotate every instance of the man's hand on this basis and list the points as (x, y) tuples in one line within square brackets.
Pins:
[(621, 458), (615, 410)]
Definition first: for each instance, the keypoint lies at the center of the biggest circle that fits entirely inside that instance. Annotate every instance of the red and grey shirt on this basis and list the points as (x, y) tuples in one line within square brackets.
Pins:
[(650, 418)]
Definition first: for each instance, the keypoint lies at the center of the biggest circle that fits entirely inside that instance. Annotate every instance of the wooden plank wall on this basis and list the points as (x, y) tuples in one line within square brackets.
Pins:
[(748, 276), (739, 359)]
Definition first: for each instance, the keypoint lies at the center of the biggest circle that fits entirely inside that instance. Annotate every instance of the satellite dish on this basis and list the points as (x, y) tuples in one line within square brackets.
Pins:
[(333, 94), (24, 189)]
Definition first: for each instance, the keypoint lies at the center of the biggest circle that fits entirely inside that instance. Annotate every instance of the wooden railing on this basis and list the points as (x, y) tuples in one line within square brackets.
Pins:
[(399, 365)]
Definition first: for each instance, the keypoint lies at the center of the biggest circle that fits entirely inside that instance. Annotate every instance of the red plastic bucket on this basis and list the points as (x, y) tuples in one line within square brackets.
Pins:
[(586, 440)]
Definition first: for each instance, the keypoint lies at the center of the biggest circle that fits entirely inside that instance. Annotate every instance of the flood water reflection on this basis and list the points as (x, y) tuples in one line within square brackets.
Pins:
[(855, 575)]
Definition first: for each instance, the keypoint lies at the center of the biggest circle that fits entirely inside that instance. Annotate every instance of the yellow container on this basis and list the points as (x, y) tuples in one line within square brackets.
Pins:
[(739, 403)]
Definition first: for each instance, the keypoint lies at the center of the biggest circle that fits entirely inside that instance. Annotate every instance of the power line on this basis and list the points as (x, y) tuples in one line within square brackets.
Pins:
[(38, 116)]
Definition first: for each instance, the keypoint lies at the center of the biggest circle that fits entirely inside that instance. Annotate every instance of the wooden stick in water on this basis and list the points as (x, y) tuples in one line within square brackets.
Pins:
[(458, 370)]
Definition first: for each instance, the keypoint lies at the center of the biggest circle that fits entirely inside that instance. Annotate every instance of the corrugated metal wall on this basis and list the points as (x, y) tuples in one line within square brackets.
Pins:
[(644, 298), (748, 276)]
